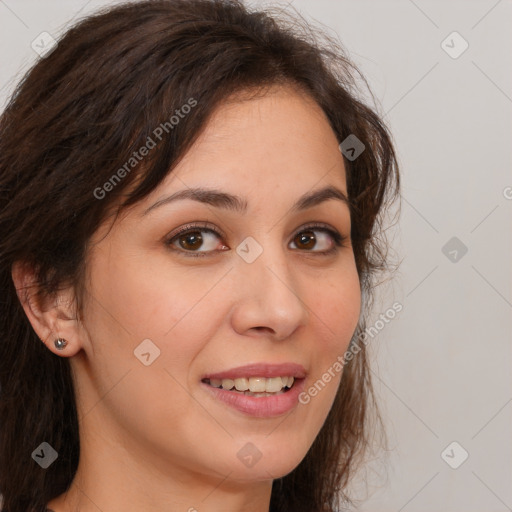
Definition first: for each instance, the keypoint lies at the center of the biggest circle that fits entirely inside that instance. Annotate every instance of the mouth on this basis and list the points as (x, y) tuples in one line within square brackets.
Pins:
[(254, 386), (258, 390)]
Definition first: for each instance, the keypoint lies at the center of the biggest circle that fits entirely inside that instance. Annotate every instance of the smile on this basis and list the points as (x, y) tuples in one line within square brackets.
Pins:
[(254, 386), (256, 404)]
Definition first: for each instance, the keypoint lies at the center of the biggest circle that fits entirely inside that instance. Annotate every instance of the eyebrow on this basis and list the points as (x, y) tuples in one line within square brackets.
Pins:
[(239, 205)]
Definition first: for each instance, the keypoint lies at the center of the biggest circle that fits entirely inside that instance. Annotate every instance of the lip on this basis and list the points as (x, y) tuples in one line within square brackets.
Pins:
[(261, 370), (260, 407)]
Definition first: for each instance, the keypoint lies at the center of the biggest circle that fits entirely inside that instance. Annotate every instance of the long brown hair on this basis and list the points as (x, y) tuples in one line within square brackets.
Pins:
[(76, 117)]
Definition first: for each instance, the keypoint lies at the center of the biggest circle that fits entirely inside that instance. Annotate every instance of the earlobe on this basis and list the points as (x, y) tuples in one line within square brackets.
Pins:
[(52, 318)]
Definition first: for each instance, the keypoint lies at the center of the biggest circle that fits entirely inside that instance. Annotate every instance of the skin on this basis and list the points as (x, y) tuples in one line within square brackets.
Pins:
[(151, 438)]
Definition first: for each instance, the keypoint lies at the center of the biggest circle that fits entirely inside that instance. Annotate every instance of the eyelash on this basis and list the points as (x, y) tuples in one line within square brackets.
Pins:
[(339, 239)]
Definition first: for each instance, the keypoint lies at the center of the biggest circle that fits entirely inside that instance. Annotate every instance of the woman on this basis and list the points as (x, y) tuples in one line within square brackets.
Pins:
[(189, 234)]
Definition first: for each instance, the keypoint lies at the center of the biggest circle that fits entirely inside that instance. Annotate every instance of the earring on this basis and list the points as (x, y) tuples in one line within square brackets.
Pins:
[(60, 343)]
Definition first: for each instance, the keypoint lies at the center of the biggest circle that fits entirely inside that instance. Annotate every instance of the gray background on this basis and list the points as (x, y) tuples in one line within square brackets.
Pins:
[(442, 366)]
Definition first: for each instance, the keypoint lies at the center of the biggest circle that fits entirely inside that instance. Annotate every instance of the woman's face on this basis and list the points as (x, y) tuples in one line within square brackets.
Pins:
[(165, 312)]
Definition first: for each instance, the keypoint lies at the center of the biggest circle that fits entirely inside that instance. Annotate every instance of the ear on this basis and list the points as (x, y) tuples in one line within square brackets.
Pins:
[(51, 317)]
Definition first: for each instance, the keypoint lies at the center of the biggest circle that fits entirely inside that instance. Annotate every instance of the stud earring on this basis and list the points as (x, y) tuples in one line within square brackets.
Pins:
[(60, 343)]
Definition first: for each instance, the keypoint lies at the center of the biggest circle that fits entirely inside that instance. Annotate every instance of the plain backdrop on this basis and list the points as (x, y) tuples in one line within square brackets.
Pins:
[(442, 366)]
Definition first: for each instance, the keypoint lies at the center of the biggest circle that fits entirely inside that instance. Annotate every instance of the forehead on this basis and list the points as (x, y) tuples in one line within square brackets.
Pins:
[(281, 140)]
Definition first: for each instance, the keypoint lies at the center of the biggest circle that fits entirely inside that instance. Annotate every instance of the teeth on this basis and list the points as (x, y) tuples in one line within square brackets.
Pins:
[(254, 384), (257, 384), (274, 384), (242, 384), (228, 383)]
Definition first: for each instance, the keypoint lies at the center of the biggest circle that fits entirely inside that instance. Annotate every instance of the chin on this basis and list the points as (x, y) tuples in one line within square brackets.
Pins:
[(254, 464), (262, 472)]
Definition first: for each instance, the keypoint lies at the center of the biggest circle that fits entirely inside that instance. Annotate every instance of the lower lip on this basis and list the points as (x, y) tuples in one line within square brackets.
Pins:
[(260, 407)]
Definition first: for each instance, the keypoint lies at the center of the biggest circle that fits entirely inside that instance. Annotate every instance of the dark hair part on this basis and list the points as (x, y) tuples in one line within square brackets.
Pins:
[(75, 118)]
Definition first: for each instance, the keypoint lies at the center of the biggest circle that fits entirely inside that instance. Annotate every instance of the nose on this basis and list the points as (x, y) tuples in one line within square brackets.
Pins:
[(267, 295)]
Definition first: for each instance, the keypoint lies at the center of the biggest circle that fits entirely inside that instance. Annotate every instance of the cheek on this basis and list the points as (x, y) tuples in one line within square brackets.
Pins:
[(335, 309), (141, 300), (131, 303), (335, 313)]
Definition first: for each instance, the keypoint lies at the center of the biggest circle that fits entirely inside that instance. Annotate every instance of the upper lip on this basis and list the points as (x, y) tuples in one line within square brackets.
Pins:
[(261, 370)]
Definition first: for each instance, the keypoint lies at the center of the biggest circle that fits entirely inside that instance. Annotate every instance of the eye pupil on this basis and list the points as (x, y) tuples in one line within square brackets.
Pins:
[(196, 242), (307, 239)]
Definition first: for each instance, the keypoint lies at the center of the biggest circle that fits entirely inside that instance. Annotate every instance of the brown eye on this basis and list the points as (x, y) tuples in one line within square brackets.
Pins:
[(196, 240), (310, 238), (190, 241), (305, 240)]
